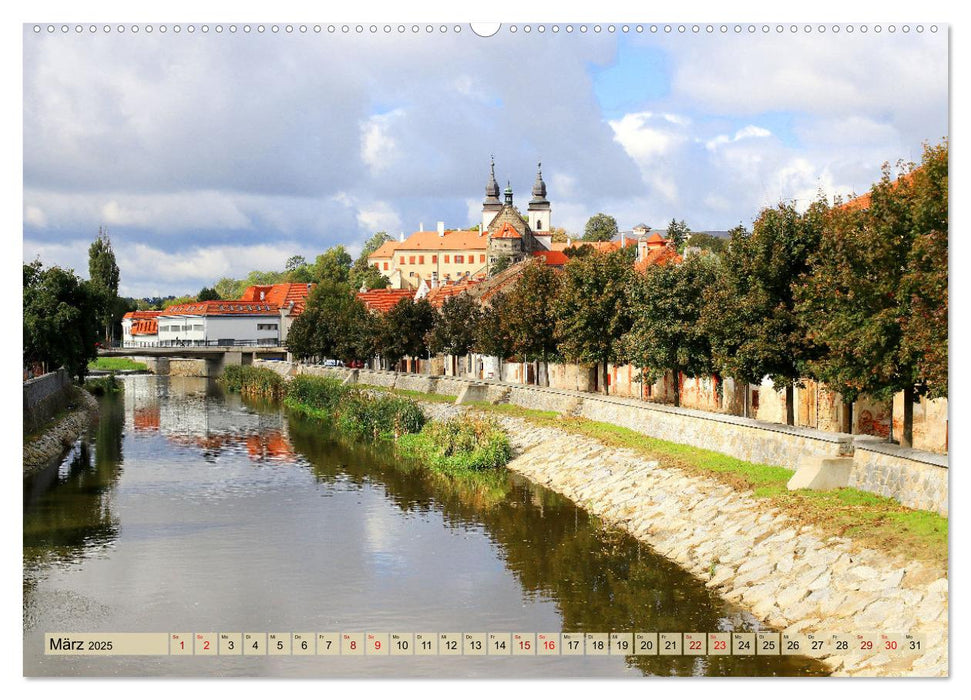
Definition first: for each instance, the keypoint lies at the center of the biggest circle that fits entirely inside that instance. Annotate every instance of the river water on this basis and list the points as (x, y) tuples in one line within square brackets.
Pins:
[(194, 511)]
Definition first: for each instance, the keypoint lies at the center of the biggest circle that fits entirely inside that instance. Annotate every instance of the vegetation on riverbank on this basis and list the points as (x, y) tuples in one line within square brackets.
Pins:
[(116, 364), (460, 445), (101, 386), (258, 382), (870, 520)]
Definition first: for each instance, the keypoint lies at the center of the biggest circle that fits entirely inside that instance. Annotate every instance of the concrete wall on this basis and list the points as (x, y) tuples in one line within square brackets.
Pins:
[(916, 479), (44, 396)]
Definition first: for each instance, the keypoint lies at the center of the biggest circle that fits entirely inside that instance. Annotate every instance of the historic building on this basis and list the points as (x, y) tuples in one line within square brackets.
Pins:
[(440, 256)]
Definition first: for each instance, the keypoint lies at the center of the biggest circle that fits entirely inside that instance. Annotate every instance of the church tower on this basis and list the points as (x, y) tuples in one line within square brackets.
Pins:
[(491, 205), (539, 211)]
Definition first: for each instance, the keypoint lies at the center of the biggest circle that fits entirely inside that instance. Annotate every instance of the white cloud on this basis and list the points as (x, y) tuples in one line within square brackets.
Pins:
[(750, 131), (378, 216), (379, 149), (646, 136), (35, 216)]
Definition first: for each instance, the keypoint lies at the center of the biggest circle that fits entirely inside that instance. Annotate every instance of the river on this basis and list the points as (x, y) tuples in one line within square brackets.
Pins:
[(191, 510)]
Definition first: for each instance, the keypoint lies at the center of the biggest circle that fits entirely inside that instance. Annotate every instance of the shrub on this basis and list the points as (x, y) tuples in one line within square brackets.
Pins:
[(460, 444), (99, 386), (253, 381)]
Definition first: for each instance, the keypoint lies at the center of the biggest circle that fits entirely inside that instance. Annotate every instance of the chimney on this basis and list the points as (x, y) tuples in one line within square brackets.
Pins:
[(262, 295), (623, 238), (441, 229), (421, 226), (401, 237)]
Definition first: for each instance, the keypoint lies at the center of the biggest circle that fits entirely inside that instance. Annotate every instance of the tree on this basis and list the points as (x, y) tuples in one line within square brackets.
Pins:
[(600, 227), (558, 235), (666, 333), (861, 298), (61, 315), (404, 329), (297, 270), (104, 274), (335, 324), (502, 263), (334, 265), (229, 288), (531, 322), (363, 273), (492, 333), (592, 313), (678, 233), (454, 330), (750, 315), (184, 299), (295, 262), (208, 294), (708, 242)]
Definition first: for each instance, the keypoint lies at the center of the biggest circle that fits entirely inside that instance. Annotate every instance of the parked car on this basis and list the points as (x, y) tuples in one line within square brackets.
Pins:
[(333, 363)]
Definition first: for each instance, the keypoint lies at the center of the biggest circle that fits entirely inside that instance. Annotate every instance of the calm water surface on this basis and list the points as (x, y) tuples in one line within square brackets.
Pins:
[(194, 511)]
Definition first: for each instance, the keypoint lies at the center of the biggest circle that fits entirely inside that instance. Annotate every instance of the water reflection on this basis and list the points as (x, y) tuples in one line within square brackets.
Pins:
[(205, 511)]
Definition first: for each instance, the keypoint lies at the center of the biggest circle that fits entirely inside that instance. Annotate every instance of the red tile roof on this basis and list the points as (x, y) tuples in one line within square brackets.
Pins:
[(144, 326), (382, 300), (552, 257), (437, 295), (658, 256), (452, 240), (656, 238), (385, 250), (280, 294), (507, 231), (232, 307)]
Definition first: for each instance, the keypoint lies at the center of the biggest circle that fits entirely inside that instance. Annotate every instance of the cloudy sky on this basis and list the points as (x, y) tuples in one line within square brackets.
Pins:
[(210, 155)]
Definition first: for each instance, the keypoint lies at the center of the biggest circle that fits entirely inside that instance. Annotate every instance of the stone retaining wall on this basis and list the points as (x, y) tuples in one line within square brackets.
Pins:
[(58, 438), (916, 479), (44, 396)]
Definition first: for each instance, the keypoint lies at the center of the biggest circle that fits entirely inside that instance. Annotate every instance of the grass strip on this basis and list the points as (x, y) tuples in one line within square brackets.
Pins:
[(116, 364)]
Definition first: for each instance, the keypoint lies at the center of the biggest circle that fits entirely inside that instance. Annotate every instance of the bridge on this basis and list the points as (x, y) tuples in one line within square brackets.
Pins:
[(196, 360)]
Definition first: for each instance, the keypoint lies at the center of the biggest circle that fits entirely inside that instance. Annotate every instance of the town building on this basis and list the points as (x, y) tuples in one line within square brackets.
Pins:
[(448, 255), (262, 316)]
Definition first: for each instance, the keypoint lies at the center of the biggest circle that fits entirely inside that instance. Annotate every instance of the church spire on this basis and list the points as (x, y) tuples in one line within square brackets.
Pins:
[(492, 187), (539, 187)]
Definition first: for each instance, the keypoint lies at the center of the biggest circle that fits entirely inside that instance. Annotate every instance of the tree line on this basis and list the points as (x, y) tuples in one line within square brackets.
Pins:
[(852, 294)]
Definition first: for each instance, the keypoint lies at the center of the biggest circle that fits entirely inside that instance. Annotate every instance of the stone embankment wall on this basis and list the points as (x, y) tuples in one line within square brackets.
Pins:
[(916, 479), (791, 576), (58, 438), (44, 396)]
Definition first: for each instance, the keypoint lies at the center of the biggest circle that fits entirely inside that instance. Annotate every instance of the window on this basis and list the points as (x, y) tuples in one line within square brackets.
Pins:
[(434, 259), (378, 265), (401, 260), (482, 258), (197, 327), (446, 258), (421, 259), (411, 259), (539, 224), (386, 266), (755, 399), (266, 326), (459, 259)]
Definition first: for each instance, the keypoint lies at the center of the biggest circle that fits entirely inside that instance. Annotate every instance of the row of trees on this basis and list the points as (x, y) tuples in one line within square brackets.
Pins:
[(852, 296)]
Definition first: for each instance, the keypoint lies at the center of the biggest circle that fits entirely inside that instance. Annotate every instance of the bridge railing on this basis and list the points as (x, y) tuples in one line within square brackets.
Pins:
[(221, 342)]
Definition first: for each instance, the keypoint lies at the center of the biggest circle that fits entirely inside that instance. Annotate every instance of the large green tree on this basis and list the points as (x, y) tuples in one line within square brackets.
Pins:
[(600, 227), (531, 320), (405, 329), (750, 315), (592, 310), (208, 294), (104, 275), (61, 315), (666, 333), (333, 265), (492, 335), (363, 273), (875, 298), (335, 324), (678, 232), (454, 330)]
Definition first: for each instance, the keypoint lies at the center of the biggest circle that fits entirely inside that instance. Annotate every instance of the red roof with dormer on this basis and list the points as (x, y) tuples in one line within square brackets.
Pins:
[(507, 231), (143, 322), (554, 258), (225, 307), (282, 295)]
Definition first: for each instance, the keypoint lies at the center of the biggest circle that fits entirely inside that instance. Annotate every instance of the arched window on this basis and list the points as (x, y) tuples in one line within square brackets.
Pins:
[(539, 224)]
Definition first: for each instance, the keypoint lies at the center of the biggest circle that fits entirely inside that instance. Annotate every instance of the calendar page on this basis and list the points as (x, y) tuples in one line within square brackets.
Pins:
[(411, 349)]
